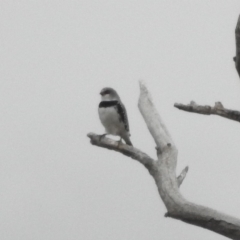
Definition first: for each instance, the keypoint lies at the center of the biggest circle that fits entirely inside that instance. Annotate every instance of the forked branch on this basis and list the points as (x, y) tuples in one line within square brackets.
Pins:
[(163, 170), (131, 152), (178, 207)]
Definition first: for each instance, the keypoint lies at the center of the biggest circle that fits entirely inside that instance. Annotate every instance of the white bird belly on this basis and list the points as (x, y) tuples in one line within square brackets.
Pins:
[(111, 121)]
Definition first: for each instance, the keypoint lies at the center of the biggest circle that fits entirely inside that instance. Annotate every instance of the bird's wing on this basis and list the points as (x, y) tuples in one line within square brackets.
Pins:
[(122, 114)]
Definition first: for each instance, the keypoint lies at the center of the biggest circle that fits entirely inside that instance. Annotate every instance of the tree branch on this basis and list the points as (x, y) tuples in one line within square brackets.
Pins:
[(164, 173), (237, 58), (161, 137), (125, 149), (218, 109), (167, 183), (131, 152)]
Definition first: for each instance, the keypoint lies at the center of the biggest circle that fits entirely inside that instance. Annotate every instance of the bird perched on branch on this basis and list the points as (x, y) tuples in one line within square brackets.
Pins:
[(113, 115)]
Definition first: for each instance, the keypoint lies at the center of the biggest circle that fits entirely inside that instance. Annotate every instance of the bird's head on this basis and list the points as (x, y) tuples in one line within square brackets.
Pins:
[(109, 94)]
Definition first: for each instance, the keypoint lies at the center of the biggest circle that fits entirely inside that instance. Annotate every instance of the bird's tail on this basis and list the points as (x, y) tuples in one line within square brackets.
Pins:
[(127, 140)]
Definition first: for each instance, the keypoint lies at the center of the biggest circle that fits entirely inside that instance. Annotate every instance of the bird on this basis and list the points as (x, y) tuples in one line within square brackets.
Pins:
[(113, 115)]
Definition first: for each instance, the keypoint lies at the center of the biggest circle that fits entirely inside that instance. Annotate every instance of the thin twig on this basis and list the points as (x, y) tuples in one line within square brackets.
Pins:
[(182, 176)]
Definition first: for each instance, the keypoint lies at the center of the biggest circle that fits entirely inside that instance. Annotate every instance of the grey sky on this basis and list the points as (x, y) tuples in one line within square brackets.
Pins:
[(55, 58)]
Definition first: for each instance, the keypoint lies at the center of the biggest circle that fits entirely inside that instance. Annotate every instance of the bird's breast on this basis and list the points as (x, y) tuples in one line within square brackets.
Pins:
[(110, 120)]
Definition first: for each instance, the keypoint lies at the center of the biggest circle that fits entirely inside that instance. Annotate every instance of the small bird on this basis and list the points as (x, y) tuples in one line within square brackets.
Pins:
[(113, 115)]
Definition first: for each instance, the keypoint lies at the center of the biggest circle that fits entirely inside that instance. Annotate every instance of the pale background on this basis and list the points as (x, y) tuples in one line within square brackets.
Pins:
[(55, 56)]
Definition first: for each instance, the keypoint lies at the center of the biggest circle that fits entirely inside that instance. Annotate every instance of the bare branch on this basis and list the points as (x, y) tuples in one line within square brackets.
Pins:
[(218, 109), (154, 123), (237, 58), (132, 152), (177, 207), (182, 176), (125, 149), (164, 173), (167, 183)]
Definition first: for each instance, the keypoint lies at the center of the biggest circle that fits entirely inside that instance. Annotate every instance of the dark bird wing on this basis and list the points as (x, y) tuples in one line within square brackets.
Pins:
[(122, 115)]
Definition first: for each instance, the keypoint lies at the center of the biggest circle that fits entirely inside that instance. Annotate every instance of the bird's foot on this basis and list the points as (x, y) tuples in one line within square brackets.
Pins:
[(119, 142), (102, 136)]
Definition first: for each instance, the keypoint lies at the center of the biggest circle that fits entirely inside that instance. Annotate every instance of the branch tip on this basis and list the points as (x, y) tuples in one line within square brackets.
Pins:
[(182, 176), (152, 118), (218, 105), (192, 103), (142, 86)]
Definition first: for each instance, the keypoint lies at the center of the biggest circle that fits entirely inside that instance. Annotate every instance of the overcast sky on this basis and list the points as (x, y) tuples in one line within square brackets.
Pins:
[(55, 57)]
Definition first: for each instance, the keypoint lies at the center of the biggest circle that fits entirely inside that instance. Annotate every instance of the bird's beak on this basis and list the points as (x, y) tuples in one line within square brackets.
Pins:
[(101, 93)]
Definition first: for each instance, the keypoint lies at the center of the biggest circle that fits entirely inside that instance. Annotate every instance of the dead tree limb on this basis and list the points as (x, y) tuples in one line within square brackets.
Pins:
[(163, 170), (218, 109), (167, 183), (131, 152), (237, 57), (127, 150)]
